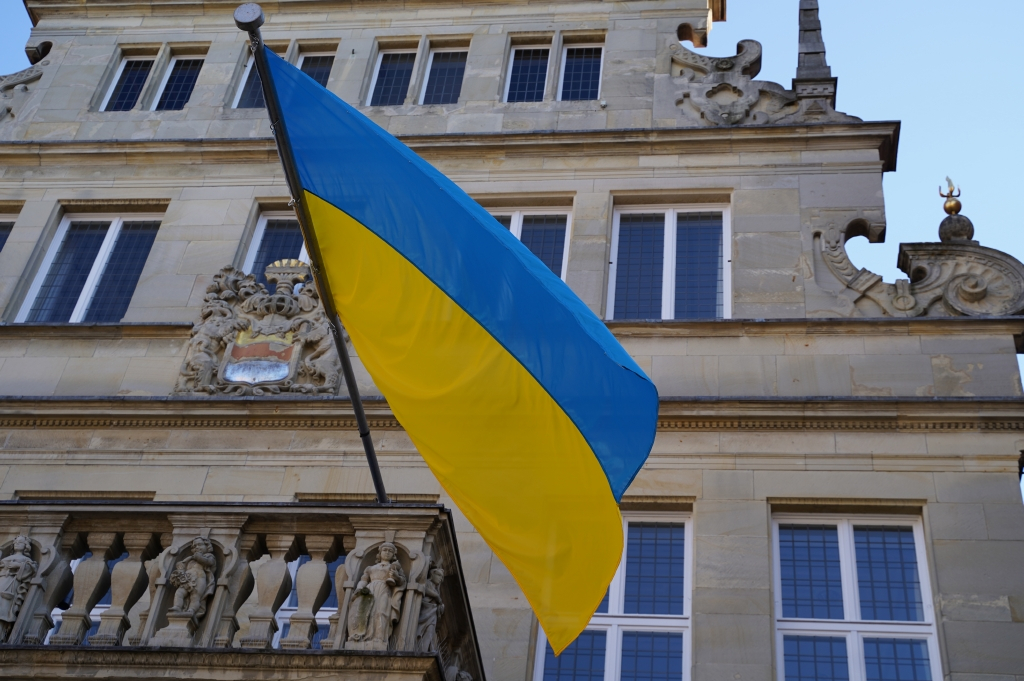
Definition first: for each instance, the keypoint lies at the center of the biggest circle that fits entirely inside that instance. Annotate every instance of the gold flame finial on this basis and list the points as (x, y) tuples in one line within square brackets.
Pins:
[(952, 206)]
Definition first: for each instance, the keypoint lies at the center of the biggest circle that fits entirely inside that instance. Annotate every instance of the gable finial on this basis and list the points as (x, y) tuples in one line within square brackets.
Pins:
[(811, 62)]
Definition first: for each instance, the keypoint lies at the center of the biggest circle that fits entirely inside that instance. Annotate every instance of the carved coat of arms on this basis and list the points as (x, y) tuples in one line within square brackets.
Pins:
[(250, 341)]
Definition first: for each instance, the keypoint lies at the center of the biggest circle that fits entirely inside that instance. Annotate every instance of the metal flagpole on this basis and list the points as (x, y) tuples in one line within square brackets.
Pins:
[(249, 18)]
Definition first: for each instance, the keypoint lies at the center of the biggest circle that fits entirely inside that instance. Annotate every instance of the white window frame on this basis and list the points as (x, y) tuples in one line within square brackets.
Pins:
[(561, 70), (430, 63), (98, 265), (852, 627), (614, 624), (249, 65), (376, 72), (167, 76), (315, 53), (257, 238), (117, 78), (512, 62), (516, 227), (668, 279)]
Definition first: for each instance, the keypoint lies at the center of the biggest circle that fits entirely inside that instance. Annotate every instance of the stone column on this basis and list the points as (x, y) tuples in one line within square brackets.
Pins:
[(313, 586), (92, 579), (128, 582)]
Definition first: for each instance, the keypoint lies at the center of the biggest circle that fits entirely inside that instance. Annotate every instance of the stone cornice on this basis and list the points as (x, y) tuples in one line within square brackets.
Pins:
[(830, 326), (883, 136), (96, 331), (991, 415)]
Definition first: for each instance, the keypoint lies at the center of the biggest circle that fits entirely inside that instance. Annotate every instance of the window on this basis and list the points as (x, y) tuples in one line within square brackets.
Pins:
[(444, 77), (546, 234), (6, 227), (178, 84), (317, 66), (527, 75), (277, 237), (853, 601), (669, 264), (291, 604), (641, 630), (250, 95), (91, 269), (391, 78), (128, 83), (581, 73)]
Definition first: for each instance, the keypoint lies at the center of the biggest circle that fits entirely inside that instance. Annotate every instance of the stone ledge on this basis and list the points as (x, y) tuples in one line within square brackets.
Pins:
[(96, 331), (45, 662), (838, 326)]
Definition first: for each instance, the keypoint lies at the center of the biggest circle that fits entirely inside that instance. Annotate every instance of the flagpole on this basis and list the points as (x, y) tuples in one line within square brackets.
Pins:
[(249, 18)]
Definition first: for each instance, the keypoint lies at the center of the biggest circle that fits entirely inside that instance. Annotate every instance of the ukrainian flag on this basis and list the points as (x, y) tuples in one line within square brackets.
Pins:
[(529, 412)]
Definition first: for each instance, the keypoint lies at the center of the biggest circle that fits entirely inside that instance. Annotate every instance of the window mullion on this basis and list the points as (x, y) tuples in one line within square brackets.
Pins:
[(113, 84), (426, 78), (612, 653), (98, 265), (254, 244), (613, 264), (668, 278), (848, 570), (517, 224), (163, 83)]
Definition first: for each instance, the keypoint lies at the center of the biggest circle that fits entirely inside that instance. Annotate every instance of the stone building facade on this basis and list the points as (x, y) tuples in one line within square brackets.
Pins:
[(833, 492)]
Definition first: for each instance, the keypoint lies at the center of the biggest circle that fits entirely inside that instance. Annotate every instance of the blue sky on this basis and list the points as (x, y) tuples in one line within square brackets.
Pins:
[(942, 67)]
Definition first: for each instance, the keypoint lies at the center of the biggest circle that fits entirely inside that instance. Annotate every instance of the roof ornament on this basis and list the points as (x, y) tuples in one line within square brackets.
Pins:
[(955, 227)]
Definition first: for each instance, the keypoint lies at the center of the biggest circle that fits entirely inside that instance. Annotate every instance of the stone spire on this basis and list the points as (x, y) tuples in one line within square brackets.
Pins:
[(811, 64)]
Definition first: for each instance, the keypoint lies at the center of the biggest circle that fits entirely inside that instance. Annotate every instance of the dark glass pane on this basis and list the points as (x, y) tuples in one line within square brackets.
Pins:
[(544, 235), (5, 233), (699, 266), (332, 570), (815, 658), (504, 220), (63, 284), (393, 78), (180, 84), (293, 597), (583, 660), (887, 574), (582, 76), (639, 265), (282, 239), (318, 635), (121, 274), (129, 85), (812, 585), (896, 659), (252, 91), (444, 84), (318, 68), (650, 656), (529, 73), (654, 569)]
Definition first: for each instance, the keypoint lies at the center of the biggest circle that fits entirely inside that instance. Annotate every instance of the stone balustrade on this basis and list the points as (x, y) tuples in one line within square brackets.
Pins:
[(214, 576)]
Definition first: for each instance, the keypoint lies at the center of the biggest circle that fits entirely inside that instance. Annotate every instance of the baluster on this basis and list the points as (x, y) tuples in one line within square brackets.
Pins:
[(313, 586), (92, 579), (273, 584), (153, 567), (128, 582)]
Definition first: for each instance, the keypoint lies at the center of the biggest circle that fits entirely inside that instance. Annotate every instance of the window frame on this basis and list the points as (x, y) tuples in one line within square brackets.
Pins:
[(516, 228), (561, 71), (117, 77), (249, 65), (167, 76), (99, 264), (257, 237), (668, 278), (854, 629), (317, 53), (512, 63), (376, 73), (614, 624), (426, 74)]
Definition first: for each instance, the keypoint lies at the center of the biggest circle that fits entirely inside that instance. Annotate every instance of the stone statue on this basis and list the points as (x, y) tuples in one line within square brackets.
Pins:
[(195, 580), (430, 610), (16, 571), (377, 601)]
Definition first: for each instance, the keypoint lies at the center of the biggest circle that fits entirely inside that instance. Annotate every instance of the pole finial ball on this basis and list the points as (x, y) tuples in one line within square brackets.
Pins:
[(249, 17)]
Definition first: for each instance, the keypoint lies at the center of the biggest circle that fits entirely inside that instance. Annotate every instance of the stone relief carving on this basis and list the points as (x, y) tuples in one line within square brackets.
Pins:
[(249, 341), (16, 572), (431, 608), (14, 86), (194, 579), (377, 602), (953, 277)]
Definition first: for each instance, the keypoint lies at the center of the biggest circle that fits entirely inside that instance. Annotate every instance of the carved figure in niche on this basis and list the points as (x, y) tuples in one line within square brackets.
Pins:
[(430, 610), (194, 578), (16, 571), (377, 601)]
